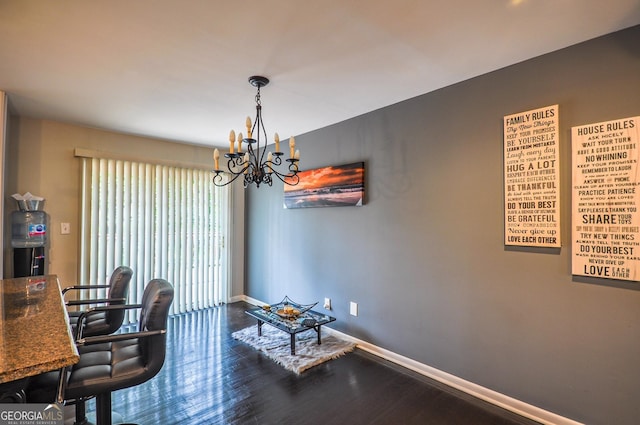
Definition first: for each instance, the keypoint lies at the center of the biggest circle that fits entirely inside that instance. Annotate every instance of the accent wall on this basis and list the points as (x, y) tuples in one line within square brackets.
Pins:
[(425, 258)]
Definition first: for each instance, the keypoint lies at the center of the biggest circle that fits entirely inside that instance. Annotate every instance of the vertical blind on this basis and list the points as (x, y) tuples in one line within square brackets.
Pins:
[(162, 221)]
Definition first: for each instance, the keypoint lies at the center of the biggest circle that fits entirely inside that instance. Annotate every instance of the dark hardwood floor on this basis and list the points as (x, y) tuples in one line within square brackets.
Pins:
[(210, 378)]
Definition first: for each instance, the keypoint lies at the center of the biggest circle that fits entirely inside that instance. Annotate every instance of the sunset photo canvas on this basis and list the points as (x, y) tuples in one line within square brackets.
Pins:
[(335, 186)]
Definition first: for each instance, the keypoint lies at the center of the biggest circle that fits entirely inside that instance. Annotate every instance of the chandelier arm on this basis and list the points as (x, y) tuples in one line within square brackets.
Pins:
[(292, 178), (251, 152), (288, 179), (236, 160), (218, 178), (275, 161), (260, 124)]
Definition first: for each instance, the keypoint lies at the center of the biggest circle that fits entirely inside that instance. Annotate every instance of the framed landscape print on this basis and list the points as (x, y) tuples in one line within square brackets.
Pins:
[(333, 186)]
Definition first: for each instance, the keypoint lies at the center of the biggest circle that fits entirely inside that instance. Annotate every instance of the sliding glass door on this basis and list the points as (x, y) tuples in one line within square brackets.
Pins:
[(162, 221)]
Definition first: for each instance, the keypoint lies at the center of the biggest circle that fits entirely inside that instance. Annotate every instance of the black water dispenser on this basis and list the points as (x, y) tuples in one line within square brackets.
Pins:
[(29, 238)]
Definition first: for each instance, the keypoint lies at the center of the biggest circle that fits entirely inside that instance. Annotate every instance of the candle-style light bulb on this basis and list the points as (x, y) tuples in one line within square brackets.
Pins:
[(248, 127), (269, 159), (277, 140), (297, 154), (239, 142), (292, 146), (232, 140), (216, 158)]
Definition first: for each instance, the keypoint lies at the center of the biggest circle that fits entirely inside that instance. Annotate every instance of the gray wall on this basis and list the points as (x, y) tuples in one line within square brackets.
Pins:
[(425, 259)]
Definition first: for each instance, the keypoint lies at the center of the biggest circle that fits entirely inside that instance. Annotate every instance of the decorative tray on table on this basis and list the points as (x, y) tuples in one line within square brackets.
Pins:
[(289, 309)]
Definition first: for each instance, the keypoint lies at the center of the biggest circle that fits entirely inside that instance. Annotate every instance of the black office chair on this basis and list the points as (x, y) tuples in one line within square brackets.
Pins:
[(112, 362), (104, 322)]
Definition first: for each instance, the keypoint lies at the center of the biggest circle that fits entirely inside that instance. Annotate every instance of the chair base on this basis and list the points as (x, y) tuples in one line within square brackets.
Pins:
[(70, 414), (91, 419)]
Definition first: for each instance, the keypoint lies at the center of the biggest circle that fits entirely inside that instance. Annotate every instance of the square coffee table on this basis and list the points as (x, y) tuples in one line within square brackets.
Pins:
[(305, 321)]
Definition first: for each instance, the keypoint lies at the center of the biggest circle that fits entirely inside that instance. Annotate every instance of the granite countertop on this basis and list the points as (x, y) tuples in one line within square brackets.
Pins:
[(34, 328)]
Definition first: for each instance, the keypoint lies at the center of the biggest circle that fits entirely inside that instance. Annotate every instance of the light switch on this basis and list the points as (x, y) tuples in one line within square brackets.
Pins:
[(65, 228)]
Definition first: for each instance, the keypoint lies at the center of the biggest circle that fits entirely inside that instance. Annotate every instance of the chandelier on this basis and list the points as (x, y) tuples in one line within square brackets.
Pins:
[(251, 164)]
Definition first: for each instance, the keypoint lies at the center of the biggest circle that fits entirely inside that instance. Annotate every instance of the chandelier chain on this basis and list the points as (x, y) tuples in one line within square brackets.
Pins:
[(258, 102)]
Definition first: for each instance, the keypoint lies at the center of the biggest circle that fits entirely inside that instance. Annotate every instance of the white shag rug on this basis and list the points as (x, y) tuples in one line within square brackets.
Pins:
[(276, 344)]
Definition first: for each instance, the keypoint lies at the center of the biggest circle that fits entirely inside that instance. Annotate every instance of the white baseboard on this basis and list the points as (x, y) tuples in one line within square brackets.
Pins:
[(237, 298), (509, 403)]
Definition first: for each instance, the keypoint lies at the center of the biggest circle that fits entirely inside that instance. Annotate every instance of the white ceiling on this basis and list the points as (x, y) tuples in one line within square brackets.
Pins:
[(178, 69)]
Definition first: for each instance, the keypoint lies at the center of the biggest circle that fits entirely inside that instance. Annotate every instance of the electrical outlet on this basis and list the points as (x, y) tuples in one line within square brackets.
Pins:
[(327, 303), (353, 308), (65, 228)]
